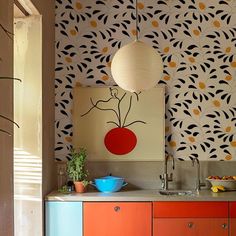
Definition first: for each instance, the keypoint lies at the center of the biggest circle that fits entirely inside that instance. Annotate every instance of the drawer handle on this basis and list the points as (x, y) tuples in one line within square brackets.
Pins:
[(117, 208), (224, 226), (190, 225)]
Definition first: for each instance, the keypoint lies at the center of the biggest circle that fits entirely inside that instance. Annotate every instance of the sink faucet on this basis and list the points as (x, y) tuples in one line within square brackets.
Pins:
[(196, 162), (165, 177)]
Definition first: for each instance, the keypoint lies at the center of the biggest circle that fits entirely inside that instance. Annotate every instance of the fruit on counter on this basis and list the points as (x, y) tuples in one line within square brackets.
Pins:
[(218, 188), (226, 177), (213, 177)]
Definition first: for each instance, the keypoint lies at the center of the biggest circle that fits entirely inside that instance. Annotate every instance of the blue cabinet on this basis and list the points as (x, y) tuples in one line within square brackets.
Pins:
[(64, 219)]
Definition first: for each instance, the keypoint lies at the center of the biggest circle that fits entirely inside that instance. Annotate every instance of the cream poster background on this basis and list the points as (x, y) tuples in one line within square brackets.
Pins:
[(142, 114)]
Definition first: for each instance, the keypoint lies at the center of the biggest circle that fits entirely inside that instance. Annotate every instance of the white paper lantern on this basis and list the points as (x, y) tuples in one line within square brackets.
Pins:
[(136, 67)]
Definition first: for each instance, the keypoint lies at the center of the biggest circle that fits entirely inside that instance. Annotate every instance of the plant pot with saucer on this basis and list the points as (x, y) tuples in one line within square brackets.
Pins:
[(76, 169)]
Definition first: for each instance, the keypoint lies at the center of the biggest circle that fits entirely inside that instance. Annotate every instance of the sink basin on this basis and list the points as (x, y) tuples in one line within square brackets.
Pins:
[(178, 192)]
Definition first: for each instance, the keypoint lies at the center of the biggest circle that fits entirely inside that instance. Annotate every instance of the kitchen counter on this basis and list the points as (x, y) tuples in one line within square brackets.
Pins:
[(140, 195)]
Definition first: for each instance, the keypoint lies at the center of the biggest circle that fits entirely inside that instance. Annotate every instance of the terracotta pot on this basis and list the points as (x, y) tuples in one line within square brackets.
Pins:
[(79, 187)]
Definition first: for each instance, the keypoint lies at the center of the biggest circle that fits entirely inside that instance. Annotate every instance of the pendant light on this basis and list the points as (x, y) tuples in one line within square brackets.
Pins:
[(136, 66)]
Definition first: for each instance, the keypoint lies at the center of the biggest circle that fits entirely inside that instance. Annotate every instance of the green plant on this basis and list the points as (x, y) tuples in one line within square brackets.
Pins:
[(63, 189), (76, 166)]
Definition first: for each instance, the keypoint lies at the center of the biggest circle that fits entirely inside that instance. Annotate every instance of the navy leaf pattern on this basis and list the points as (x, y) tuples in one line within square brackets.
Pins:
[(197, 42)]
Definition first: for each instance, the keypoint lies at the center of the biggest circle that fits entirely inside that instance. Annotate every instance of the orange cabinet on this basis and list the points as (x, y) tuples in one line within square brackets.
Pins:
[(232, 226), (190, 218), (190, 227), (117, 218), (232, 209)]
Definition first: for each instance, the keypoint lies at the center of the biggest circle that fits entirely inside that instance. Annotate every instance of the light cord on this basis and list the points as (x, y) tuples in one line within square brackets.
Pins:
[(136, 12)]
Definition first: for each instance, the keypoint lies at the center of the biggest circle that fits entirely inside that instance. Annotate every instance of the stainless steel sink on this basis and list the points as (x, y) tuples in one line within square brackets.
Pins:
[(178, 192)]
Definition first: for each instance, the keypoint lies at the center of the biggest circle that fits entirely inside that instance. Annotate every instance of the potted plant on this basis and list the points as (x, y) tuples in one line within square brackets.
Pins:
[(76, 169)]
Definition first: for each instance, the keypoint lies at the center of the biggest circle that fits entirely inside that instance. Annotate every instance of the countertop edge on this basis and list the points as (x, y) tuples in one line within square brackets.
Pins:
[(139, 196)]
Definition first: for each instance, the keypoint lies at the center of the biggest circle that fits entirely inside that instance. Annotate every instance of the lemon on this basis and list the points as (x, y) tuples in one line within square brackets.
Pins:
[(217, 188)]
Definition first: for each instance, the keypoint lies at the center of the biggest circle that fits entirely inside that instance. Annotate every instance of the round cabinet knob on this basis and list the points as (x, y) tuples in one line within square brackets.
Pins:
[(224, 226), (190, 225), (117, 208)]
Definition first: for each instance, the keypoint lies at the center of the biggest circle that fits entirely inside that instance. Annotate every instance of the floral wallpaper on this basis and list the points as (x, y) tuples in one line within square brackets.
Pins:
[(197, 42)]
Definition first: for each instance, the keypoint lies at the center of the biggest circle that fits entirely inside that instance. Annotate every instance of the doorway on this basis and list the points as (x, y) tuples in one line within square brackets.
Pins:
[(28, 114)]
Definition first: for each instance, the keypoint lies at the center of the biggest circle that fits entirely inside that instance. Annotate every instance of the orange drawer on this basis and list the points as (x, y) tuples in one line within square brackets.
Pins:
[(232, 209), (190, 209)]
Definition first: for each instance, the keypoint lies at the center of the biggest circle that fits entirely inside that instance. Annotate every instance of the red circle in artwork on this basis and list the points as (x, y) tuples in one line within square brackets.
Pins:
[(120, 141)]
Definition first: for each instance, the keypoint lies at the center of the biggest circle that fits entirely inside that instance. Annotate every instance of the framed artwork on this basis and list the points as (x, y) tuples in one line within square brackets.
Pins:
[(116, 125)]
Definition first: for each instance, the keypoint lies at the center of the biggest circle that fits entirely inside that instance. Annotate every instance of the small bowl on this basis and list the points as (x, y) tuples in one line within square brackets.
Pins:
[(229, 184), (109, 184)]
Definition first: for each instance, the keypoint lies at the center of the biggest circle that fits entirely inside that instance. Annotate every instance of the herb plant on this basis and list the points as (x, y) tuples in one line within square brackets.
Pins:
[(76, 166)]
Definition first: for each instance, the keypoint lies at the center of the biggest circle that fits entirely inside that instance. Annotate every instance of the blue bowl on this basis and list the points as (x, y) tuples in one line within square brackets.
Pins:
[(109, 184)]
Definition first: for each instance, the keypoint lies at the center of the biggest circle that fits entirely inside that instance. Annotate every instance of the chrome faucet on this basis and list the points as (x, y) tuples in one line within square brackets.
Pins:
[(198, 182), (165, 177)]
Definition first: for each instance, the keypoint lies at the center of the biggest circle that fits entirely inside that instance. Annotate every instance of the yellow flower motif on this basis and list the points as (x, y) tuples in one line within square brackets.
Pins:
[(233, 64), (172, 143), (233, 143), (228, 77), (68, 59), (228, 157), (93, 23), (105, 77), (191, 59), (216, 103), (172, 64), (166, 77), (228, 50), (191, 139), (202, 6), (196, 32), (216, 23), (166, 49), (155, 23), (68, 139), (202, 85), (134, 32), (78, 84), (196, 112), (79, 6), (140, 5), (105, 50), (73, 32), (228, 129)]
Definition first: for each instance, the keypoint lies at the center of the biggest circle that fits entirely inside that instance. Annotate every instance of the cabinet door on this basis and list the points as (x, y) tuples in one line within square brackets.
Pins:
[(190, 227), (232, 226), (212, 226), (232, 209), (64, 219), (117, 219), (172, 227)]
